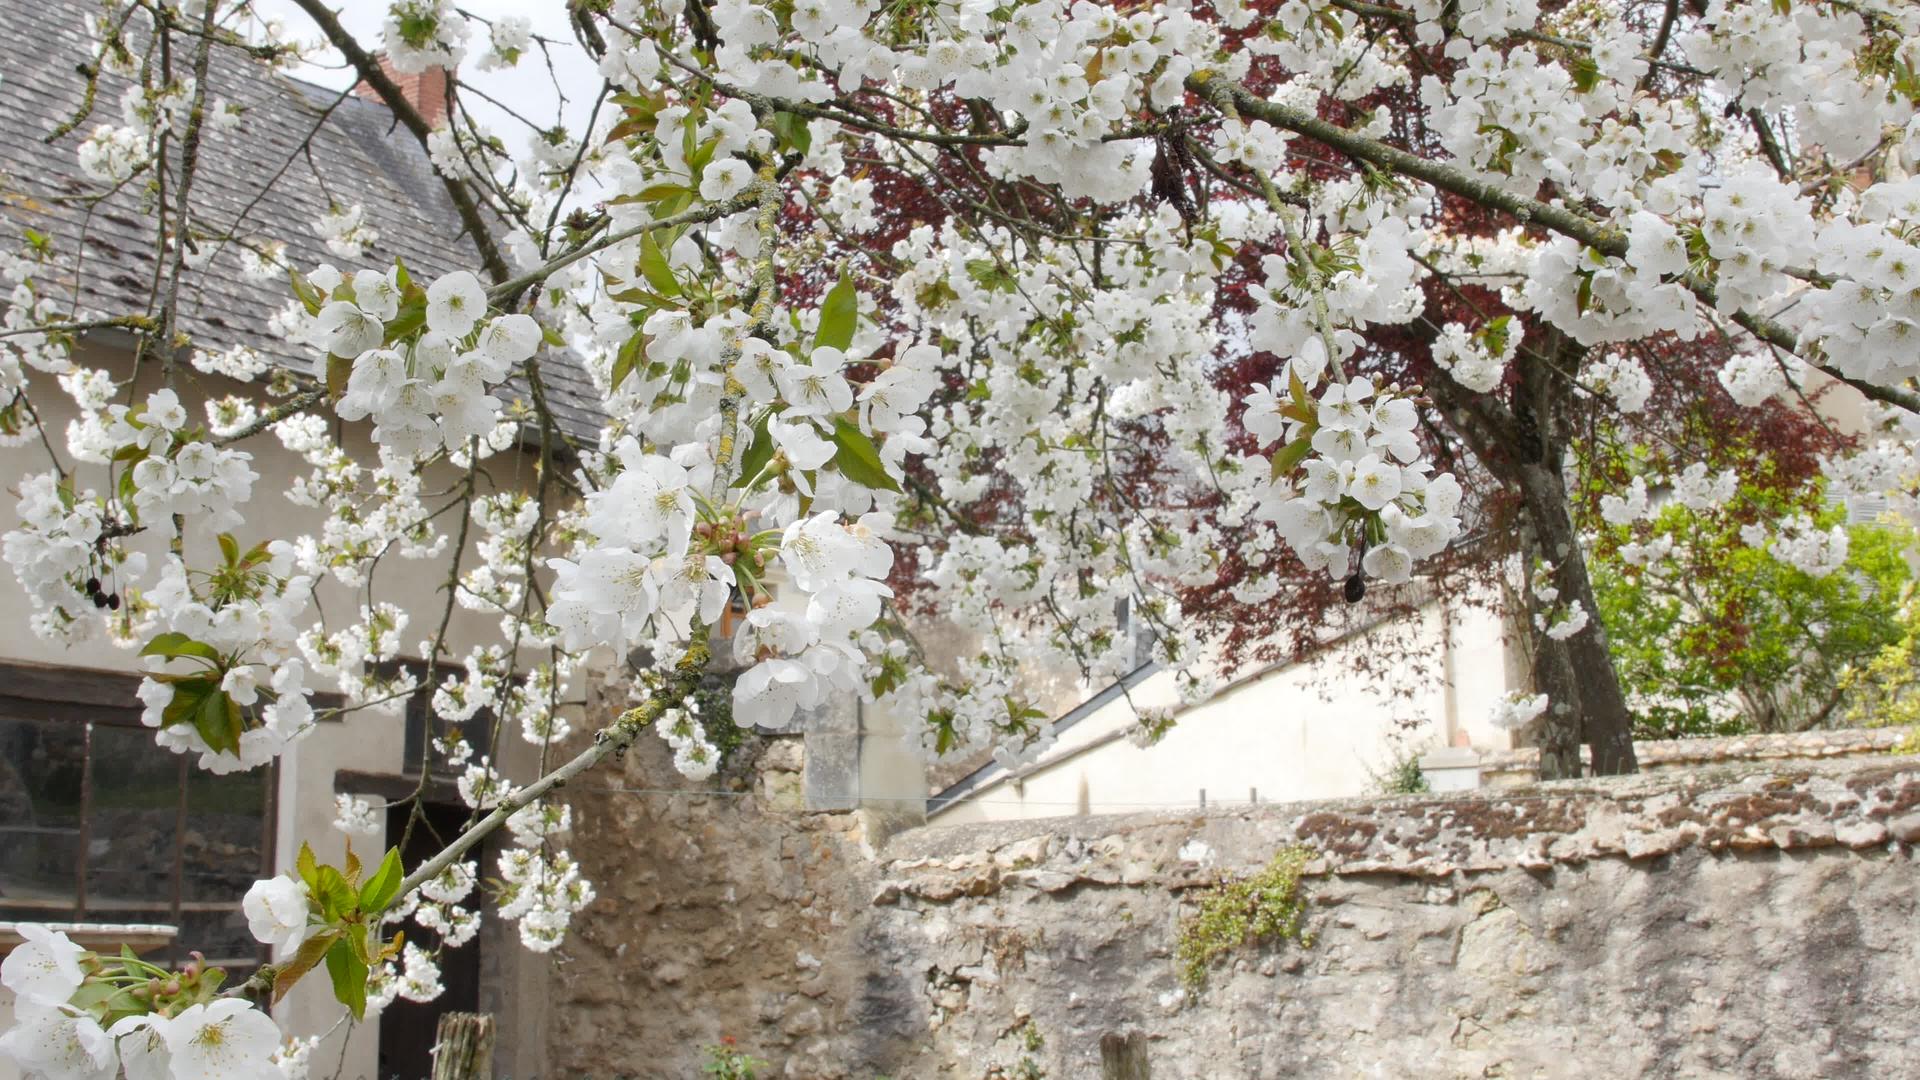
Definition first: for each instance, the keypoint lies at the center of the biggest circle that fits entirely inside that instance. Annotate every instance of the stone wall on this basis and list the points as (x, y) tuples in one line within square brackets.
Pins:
[(1755, 922), (1508, 768)]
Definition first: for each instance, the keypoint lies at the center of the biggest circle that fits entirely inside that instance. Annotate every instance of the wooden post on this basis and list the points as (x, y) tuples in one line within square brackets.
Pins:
[(463, 1047), (1124, 1057)]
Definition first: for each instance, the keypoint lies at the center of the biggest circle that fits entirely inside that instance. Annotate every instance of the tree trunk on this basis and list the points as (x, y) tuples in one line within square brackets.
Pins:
[(1546, 388), (463, 1047), (1552, 672), (1605, 724), (1526, 446)]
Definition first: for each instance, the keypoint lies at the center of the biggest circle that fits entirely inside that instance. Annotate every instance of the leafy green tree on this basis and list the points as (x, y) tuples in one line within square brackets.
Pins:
[(1714, 636)]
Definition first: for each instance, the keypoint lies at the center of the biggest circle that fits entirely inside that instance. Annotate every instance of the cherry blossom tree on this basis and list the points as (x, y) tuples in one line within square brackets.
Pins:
[(1018, 311)]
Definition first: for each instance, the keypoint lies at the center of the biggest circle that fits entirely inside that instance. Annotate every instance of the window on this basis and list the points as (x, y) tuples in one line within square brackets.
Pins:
[(97, 824)]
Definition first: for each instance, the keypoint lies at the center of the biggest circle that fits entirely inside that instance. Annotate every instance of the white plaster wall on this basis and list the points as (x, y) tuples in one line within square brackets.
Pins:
[(1300, 731), (362, 741)]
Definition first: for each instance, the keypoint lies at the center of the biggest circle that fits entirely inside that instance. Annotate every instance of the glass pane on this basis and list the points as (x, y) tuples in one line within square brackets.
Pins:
[(222, 855), (130, 835), (40, 771)]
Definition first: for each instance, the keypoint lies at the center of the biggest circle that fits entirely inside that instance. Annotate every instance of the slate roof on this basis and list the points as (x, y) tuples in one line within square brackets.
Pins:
[(360, 154)]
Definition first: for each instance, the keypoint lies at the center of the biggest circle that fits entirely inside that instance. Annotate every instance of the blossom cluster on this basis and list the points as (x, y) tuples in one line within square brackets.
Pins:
[(174, 1032)]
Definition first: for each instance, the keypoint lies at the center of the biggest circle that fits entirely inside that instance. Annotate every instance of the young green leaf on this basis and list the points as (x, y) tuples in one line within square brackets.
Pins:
[(349, 975), (858, 459), (839, 313), (756, 456), (308, 867), (309, 954), (336, 898), (411, 317), (379, 889), (653, 266), (174, 644), (1290, 458), (339, 370), (632, 351)]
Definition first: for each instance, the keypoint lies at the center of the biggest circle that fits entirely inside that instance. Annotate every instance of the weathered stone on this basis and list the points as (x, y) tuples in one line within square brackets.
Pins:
[(1733, 923)]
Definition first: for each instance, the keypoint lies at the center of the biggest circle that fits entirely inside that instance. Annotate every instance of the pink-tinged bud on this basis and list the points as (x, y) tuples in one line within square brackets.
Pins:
[(730, 557)]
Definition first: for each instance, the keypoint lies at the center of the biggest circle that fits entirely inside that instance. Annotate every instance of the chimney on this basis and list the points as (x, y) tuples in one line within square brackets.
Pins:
[(425, 90)]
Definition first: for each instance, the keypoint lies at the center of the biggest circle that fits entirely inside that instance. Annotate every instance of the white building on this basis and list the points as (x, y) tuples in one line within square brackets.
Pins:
[(1288, 731)]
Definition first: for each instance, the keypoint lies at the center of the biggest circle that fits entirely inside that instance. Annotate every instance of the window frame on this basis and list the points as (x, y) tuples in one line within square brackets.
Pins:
[(58, 694)]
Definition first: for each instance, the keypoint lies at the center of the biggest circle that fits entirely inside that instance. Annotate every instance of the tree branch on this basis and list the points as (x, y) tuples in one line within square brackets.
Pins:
[(375, 76), (612, 739), (1225, 94)]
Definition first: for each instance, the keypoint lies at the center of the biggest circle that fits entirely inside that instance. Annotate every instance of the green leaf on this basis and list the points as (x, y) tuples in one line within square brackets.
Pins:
[(792, 131), (188, 692), (308, 867), (378, 892), (654, 193), (309, 296), (349, 975), (838, 315), (1297, 390), (552, 337), (400, 276), (759, 453), (217, 719), (653, 266), (673, 203), (697, 161), (411, 317), (331, 891), (339, 368), (1295, 452), (174, 644), (1495, 334), (1586, 73), (356, 936), (858, 459), (229, 548), (989, 275), (632, 351), (309, 955)]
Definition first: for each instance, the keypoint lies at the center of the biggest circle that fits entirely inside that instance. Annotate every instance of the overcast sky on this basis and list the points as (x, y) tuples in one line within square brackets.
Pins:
[(529, 88)]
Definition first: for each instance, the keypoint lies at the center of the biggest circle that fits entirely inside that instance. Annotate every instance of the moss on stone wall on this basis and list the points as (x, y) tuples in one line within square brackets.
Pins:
[(1268, 906)]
